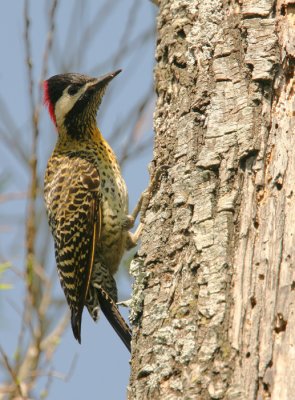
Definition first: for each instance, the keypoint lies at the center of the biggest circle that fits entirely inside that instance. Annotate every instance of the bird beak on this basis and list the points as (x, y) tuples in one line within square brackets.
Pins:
[(105, 79)]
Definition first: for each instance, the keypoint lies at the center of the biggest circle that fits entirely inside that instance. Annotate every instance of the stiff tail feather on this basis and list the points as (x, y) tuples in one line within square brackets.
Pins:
[(76, 320), (113, 315)]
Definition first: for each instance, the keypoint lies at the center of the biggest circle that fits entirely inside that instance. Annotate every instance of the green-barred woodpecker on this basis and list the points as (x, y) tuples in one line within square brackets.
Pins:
[(86, 201)]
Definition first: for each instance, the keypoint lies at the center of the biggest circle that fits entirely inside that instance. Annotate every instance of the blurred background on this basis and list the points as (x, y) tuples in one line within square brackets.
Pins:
[(39, 357)]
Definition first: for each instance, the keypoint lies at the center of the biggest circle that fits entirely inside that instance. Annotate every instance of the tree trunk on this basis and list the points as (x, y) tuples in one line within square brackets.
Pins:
[(213, 306)]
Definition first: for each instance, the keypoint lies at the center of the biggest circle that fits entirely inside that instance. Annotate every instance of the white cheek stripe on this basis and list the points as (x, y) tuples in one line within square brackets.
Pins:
[(63, 106), (66, 103)]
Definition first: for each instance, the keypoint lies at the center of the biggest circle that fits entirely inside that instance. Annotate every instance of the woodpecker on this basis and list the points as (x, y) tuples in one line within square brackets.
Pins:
[(86, 200)]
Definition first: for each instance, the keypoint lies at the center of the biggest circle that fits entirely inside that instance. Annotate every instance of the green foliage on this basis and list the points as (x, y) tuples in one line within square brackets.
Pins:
[(3, 268)]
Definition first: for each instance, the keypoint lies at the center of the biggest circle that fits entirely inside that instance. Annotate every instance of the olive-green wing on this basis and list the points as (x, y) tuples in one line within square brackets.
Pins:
[(75, 219)]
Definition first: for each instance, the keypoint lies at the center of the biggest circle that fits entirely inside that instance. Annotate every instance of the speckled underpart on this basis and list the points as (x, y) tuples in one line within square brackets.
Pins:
[(68, 201)]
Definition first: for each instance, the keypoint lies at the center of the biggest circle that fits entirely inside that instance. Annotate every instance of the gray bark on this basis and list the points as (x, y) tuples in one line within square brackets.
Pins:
[(214, 293)]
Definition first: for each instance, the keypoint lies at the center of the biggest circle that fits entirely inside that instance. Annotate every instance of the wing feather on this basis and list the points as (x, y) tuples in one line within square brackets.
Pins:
[(74, 210)]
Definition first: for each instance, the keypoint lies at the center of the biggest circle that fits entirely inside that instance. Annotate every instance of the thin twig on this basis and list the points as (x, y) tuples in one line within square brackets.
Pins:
[(132, 115), (136, 152), (11, 372), (45, 248), (129, 27), (49, 344), (60, 375), (31, 215), (134, 135), (48, 45), (34, 275), (10, 135), (4, 198), (139, 41), (95, 26)]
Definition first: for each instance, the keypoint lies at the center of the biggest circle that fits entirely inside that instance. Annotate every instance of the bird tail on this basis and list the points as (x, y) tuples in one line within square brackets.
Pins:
[(113, 315), (76, 320)]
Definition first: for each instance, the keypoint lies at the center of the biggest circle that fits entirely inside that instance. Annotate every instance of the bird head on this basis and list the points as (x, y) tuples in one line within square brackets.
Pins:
[(73, 100)]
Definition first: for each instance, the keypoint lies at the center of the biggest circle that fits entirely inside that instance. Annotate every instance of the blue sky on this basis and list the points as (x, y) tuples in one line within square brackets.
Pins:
[(102, 362)]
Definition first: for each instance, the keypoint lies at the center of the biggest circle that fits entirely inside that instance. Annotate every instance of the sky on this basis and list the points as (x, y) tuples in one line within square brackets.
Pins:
[(101, 363)]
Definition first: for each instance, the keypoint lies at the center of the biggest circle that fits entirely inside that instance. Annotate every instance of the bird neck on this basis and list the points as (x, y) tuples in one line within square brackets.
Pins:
[(70, 141)]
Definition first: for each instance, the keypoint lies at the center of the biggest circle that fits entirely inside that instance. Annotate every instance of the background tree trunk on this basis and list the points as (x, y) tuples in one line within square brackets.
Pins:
[(213, 305)]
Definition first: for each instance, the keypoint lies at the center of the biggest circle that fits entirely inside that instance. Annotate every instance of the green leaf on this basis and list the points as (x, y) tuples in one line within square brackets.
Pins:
[(4, 266), (5, 286)]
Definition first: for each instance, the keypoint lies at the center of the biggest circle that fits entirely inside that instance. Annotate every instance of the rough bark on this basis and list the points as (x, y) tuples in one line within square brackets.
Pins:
[(214, 293)]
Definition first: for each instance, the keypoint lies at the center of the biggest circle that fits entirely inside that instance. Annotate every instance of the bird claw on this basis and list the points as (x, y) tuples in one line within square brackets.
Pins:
[(146, 195), (125, 303), (128, 222)]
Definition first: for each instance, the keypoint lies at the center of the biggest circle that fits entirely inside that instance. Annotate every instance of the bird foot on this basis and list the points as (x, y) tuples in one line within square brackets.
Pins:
[(141, 207), (145, 197), (128, 222), (125, 303)]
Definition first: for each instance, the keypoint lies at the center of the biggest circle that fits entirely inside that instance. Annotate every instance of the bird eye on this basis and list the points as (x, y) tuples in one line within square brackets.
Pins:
[(73, 89)]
